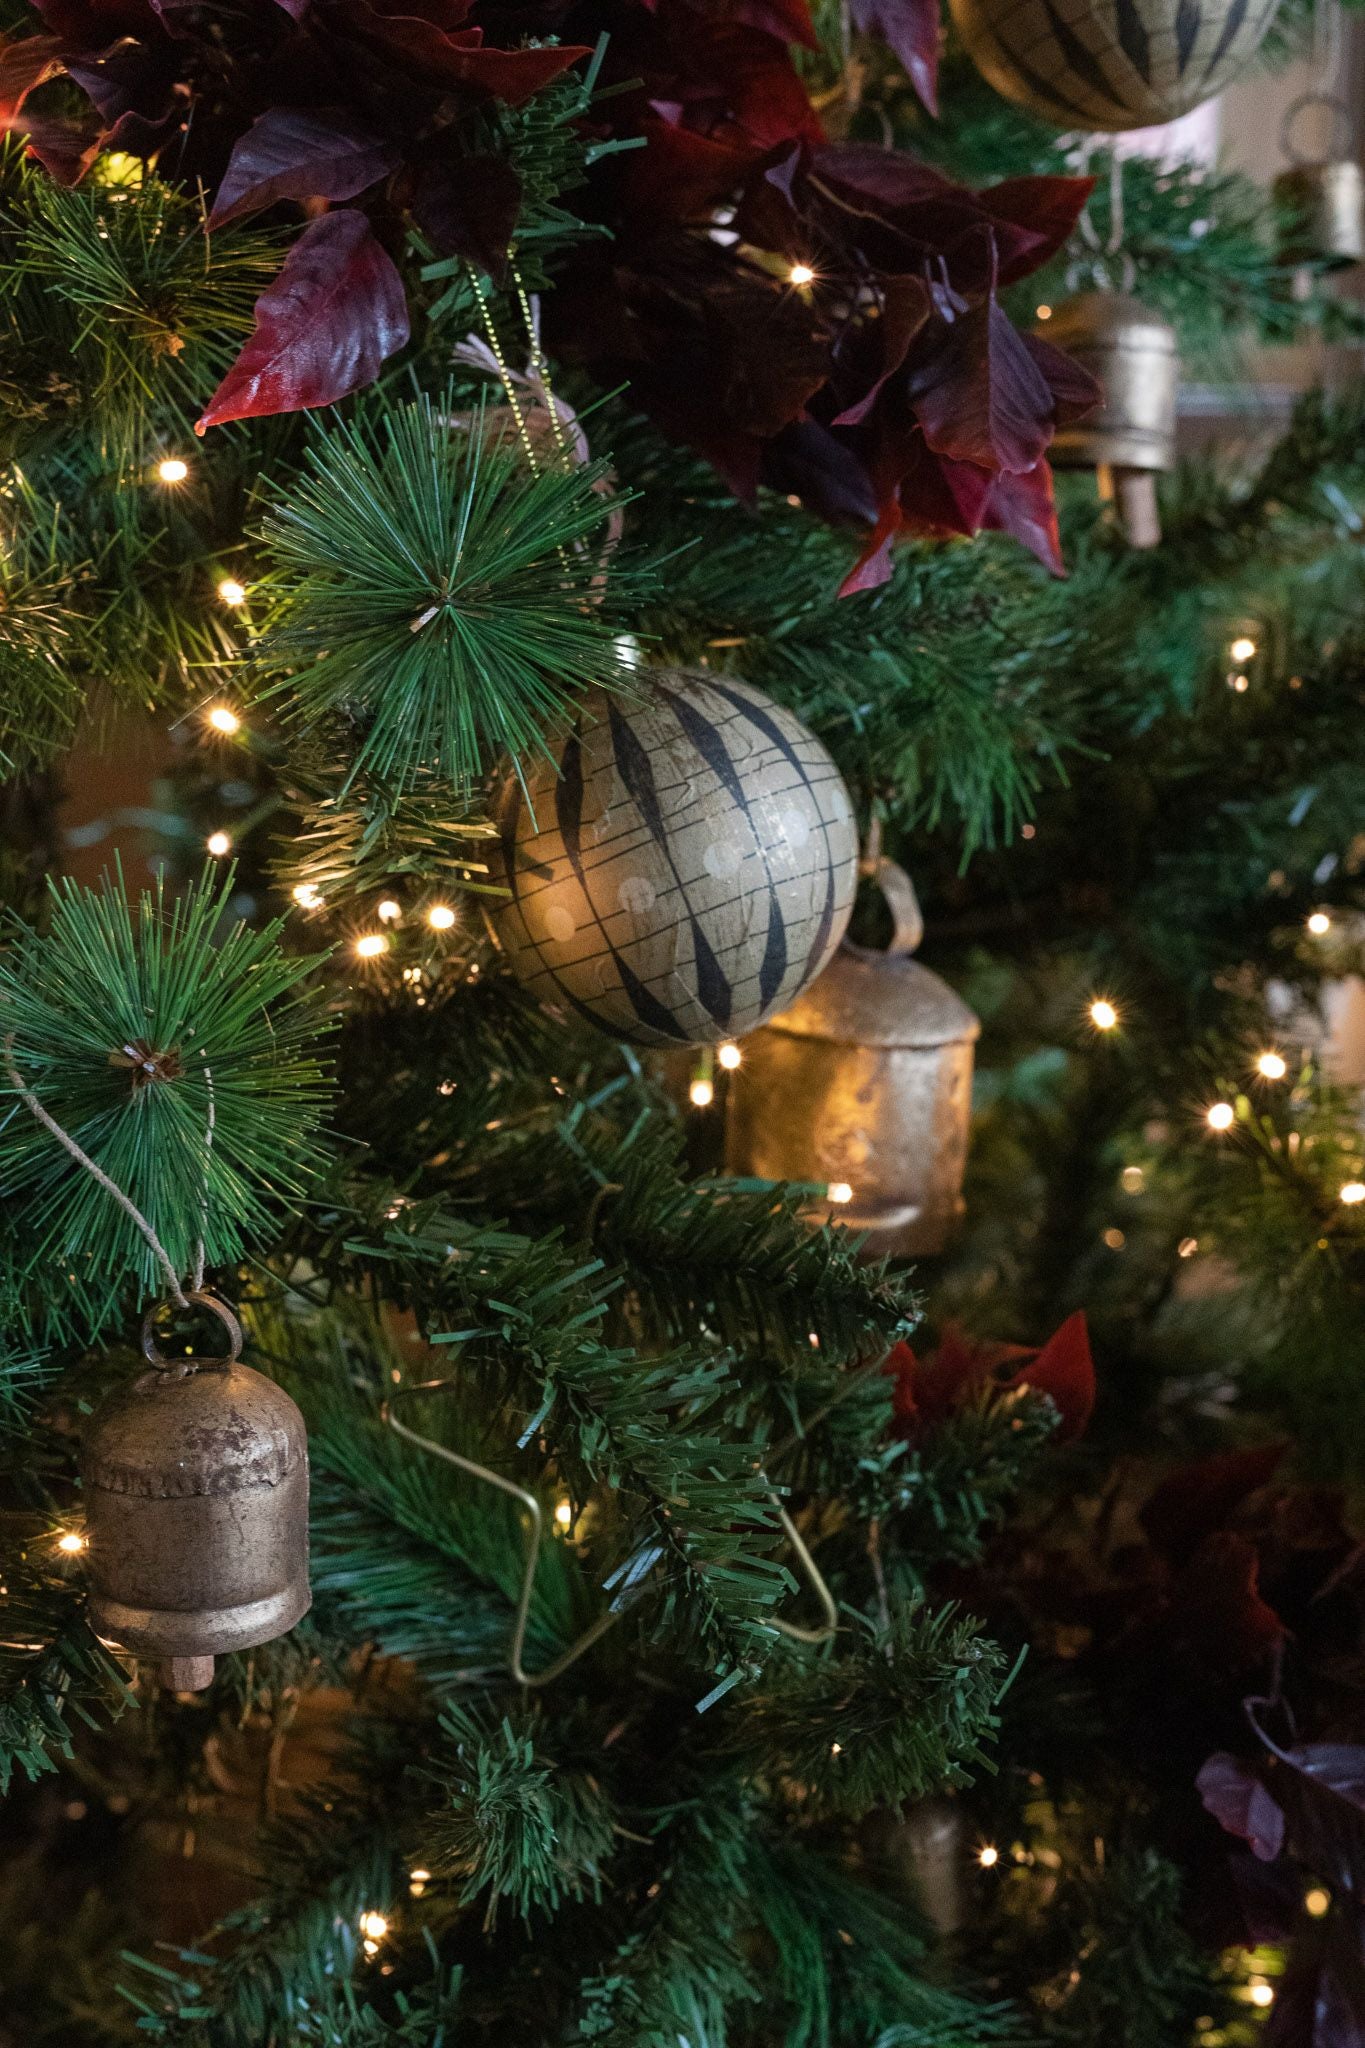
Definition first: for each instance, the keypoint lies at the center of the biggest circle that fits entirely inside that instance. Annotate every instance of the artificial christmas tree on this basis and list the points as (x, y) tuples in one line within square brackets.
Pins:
[(391, 407)]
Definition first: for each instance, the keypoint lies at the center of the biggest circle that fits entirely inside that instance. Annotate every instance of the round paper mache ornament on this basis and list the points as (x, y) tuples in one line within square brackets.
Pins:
[(682, 867), (1111, 64)]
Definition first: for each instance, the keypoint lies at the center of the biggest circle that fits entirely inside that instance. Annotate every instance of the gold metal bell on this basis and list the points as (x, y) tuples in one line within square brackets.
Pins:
[(865, 1084), (195, 1480), (1323, 206), (1131, 351)]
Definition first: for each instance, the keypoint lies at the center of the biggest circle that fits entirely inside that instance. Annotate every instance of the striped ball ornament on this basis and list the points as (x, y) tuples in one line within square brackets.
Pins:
[(683, 867), (1111, 64)]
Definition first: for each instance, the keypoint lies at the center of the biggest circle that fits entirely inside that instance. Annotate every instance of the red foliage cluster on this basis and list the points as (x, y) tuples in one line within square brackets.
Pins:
[(890, 390), (930, 1390)]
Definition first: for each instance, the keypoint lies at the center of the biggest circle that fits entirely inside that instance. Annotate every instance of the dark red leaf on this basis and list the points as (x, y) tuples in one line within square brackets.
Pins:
[(1047, 209), (1065, 1372), (822, 469), (91, 24), (323, 328), (679, 173), (65, 149), (1024, 507), (468, 206), (788, 20), (1239, 1802), (432, 53), (1197, 1499), (299, 153), (905, 309), (24, 65), (981, 397), (1216, 1611), (911, 29), (1074, 391)]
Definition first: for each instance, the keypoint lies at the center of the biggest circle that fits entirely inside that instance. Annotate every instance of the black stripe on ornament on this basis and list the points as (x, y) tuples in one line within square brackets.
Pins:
[(1134, 40), (637, 772), (1236, 16), (1186, 32), (1082, 60)]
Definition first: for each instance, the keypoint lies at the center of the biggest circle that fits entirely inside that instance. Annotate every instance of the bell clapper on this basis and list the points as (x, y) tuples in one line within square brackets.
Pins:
[(1132, 492), (186, 1674)]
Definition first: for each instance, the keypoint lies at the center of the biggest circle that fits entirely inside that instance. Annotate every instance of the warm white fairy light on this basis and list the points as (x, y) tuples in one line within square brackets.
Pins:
[(564, 1514), (1240, 683), (440, 917), (374, 1926), (1272, 1066), (1317, 1901), (1042, 312), (173, 470), (307, 895), (988, 1856), (801, 273), (701, 1093), (218, 843), (838, 1191), (1261, 1993), (1187, 1247), (231, 591), (223, 719), (1242, 649), (1132, 1180), (1103, 1014), (388, 911), (1220, 1116), (1353, 1192), (71, 1542), (729, 1056), (370, 945), (1319, 924), (420, 1876)]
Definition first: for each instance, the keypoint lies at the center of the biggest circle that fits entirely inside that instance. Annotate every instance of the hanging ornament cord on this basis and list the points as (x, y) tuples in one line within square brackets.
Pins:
[(535, 1514), (182, 1297)]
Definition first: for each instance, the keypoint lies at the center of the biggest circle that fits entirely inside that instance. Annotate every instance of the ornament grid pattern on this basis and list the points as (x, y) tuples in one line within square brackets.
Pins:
[(1111, 64), (699, 869)]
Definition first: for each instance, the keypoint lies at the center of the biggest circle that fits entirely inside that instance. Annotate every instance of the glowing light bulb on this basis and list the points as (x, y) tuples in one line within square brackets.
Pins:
[(729, 1056), (1115, 1240), (1317, 1901), (1262, 1994), (218, 843), (420, 1876), (370, 945), (72, 1542), (564, 1514), (1044, 312), (1187, 1247), (1103, 1015), (1272, 1066), (988, 1856), (172, 470), (231, 591), (836, 1749), (1240, 683), (801, 273), (374, 1926), (388, 910), (1242, 649), (1353, 1192), (701, 1093), (306, 895), (1132, 1180), (1220, 1116), (440, 917), (1319, 924), (839, 1191), (224, 719)]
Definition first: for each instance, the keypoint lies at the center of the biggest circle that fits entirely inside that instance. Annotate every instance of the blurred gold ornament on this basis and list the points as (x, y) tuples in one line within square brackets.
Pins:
[(1321, 197), (1131, 351), (865, 1085), (1111, 64)]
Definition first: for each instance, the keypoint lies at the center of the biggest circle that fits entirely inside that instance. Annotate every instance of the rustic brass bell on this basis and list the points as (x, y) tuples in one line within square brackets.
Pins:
[(195, 1480), (1322, 207), (1131, 352), (865, 1084)]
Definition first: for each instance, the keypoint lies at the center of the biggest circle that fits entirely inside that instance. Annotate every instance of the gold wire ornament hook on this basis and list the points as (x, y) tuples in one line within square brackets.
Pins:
[(516, 1648)]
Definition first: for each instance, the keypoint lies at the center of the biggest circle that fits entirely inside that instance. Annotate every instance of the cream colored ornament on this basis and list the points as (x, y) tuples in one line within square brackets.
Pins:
[(683, 867), (865, 1084), (1111, 64), (1321, 197), (1130, 438)]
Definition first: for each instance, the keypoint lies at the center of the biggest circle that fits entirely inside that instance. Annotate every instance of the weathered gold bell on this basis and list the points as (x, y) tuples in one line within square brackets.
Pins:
[(1322, 209), (1131, 351), (195, 1480), (865, 1084)]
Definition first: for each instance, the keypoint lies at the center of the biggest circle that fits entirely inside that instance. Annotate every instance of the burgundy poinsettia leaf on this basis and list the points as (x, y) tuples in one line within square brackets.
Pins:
[(453, 57), (1065, 1371), (872, 569), (301, 153), (468, 206), (678, 173), (1199, 1497), (981, 397), (1319, 2001), (1216, 1612), (25, 64), (1045, 209), (1074, 391), (65, 149), (1238, 1801), (1024, 505), (323, 328), (822, 469), (788, 20), (882, 346), (93, 24), (909, 28)]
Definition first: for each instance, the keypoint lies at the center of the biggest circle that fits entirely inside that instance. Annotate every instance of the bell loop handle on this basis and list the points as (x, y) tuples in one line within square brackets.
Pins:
[(898, 894), (197, 1298), (1339, 137)]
